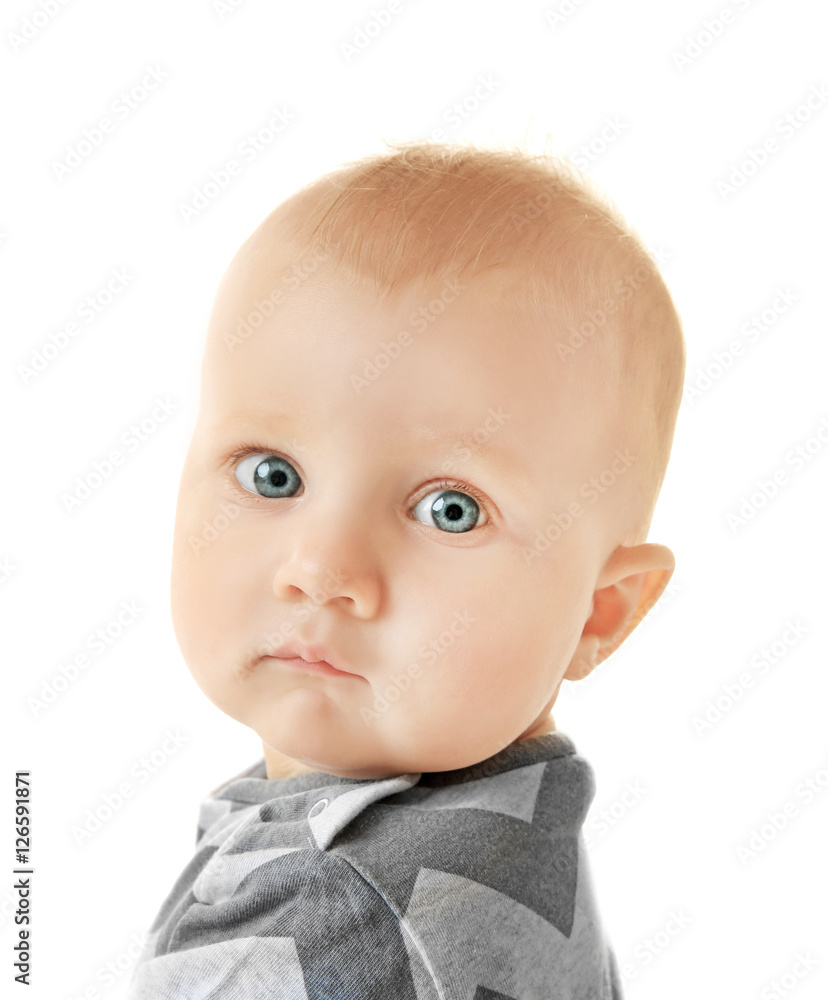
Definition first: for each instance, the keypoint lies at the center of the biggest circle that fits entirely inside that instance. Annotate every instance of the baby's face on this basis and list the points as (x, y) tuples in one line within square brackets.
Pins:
[(406, 457)]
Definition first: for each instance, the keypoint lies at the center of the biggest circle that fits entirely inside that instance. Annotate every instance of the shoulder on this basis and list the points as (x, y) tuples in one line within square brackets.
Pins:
[(510, 837), (509, 910)]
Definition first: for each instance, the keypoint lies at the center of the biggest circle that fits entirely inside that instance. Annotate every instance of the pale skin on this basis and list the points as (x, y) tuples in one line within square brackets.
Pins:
[(345, 560)]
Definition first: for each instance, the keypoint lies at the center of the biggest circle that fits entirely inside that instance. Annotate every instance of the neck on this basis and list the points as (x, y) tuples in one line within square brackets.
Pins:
[(280, 766)]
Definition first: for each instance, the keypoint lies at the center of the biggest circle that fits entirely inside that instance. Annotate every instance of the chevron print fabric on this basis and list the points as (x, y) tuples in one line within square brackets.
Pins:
[(470, 884)]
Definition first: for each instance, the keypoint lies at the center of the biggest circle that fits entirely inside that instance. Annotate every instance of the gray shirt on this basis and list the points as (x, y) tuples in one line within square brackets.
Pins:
[(471, 884)]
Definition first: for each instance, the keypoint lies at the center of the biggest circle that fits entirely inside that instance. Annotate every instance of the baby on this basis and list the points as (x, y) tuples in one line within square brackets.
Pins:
[(438, 399)]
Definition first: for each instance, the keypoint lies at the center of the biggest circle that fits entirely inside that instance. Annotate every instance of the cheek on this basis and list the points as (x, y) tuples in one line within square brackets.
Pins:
[(211, 581), (520, 640), (468, 638)]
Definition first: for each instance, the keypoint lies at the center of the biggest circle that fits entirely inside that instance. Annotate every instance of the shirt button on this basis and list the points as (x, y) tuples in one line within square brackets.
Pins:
[(318, 808)]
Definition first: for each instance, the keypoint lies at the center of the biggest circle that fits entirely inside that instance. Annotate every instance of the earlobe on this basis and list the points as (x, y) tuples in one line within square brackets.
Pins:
[(630, 583), (585, 658)]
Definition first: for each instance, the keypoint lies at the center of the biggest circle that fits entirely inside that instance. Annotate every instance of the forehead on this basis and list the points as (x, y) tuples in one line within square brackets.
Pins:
[(453, 367)]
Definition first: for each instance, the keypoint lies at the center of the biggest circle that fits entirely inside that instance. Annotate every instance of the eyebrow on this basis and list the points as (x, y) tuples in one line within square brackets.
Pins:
[(500, 459)]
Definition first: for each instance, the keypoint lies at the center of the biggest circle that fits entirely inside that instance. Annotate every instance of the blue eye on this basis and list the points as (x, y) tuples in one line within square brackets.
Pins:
[(267, 476), (452, 510), (456, 508)]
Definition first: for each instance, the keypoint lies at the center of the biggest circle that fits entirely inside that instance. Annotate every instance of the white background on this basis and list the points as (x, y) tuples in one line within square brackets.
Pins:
[(673, 848)]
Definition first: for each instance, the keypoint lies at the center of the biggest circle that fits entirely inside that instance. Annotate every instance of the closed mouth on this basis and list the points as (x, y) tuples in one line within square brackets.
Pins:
[(321, 667)]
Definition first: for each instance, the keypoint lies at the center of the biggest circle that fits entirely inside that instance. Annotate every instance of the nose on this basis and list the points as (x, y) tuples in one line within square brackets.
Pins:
[(329, 562)]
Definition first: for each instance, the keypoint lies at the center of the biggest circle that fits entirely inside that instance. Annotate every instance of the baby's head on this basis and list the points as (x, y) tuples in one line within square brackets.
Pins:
[(438, 399)]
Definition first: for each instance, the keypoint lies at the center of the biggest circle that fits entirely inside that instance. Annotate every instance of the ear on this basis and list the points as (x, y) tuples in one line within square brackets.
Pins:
[(632, 580)]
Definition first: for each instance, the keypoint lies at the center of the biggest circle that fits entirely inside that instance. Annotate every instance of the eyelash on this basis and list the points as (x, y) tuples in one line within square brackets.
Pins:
[(255, 449), (456, 485)]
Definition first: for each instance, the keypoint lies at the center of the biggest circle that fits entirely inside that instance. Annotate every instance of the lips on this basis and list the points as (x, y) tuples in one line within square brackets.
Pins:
[(316, 658), (318, 667)]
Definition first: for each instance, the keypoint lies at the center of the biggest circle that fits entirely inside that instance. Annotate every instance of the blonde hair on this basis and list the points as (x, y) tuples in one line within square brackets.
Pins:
[(427, 211)]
